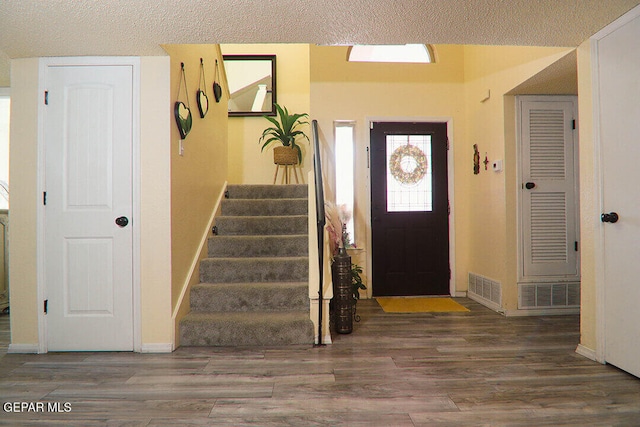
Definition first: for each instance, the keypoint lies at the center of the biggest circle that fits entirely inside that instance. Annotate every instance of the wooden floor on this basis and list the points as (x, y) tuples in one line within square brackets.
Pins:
[(450, 369)]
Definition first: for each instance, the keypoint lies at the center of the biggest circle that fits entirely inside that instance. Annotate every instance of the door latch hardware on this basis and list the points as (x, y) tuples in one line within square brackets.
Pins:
[(122, 221)]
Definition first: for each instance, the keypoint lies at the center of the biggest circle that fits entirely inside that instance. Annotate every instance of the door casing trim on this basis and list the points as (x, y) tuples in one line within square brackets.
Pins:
[(450, 190), (41, 292)]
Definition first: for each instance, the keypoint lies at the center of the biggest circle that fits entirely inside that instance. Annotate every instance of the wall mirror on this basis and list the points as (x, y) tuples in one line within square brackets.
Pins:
[(252, 84)]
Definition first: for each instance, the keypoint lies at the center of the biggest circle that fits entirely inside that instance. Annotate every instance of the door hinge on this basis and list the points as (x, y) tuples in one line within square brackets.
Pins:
[(46, 97), (447, 143), (44, 198), (46, 306), (367, 157), (575, 246), (448, 208), (371, 125), (573, 124)]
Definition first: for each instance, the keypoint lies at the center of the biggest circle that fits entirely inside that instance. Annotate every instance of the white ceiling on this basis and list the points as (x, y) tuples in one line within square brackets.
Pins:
[(33, 28)]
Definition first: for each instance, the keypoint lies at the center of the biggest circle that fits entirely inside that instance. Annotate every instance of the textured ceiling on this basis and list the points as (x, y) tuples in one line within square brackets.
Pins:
[(34, 28), (30, 28)]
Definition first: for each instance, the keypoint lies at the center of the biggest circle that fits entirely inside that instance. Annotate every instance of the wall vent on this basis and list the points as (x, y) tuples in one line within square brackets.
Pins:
[(483, 289), (548, 295)]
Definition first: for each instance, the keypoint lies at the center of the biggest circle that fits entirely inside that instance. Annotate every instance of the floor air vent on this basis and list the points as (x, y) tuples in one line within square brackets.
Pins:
[(549, 295), (485, 291)]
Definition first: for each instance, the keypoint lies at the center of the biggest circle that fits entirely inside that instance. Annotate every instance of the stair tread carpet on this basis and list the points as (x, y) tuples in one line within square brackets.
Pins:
[(255, 269), (250, 296), (246, 329), (262, 225), (254, 284), (264, 207), (267, 191), (258, 246)]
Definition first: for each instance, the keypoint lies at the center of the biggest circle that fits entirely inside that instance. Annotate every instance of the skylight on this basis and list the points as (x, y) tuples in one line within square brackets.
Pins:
[(411, 53)]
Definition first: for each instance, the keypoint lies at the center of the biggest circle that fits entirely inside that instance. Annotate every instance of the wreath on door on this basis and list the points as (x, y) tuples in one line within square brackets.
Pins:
[(408, 164)]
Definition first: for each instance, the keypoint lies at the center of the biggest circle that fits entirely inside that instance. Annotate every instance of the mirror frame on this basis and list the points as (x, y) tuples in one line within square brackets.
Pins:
[(267, 58)]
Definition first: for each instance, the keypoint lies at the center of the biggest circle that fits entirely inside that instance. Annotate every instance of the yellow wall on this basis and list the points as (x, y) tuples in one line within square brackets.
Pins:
[(589, 208), (491, 217), (23, 162), (248, 164), (155, 199), (198, 176)]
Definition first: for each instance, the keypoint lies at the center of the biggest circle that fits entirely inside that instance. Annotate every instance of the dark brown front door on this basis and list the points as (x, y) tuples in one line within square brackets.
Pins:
[(409, 209)]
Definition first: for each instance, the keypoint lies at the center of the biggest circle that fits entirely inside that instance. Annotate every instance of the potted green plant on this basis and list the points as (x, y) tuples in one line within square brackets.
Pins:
[(356, 285), (285, 130)]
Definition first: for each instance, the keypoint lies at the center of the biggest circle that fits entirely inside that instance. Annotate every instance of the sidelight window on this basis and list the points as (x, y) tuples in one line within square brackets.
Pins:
[(344, 161)]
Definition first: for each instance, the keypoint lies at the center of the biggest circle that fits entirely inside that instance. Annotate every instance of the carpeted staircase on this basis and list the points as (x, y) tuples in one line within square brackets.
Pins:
[(254, 284)]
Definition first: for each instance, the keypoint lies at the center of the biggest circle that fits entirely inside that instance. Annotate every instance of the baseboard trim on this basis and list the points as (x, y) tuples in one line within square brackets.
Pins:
[(489, 304), (460, 294), (542, 312), (196, 260), (23, 348), (586, 352), (157, 348)]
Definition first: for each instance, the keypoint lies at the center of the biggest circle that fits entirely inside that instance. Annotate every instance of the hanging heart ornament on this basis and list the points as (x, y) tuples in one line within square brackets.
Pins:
[(183, 118), (201, 95), (217, 91), (181, 112), (203, 103)]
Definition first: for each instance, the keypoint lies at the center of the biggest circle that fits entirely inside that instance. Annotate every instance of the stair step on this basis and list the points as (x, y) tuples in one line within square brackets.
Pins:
[(264, 207), (290, 191), (243, 297), (257, 269), (254, 286), (259, 246), (246, 329), (262, 225)]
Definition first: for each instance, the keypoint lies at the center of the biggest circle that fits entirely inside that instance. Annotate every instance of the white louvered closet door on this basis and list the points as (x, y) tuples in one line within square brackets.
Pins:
[(549, 208)]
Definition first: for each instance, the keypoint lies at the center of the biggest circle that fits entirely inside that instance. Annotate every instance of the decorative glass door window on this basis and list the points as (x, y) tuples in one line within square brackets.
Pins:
[(409, 181)]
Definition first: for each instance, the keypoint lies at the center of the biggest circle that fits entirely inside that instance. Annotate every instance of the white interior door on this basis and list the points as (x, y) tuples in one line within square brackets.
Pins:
[(619, 91), (88, 172), (549, 210)]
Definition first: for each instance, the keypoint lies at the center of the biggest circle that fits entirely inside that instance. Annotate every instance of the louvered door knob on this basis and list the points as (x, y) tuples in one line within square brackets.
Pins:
[(611, 217), (530, 185)]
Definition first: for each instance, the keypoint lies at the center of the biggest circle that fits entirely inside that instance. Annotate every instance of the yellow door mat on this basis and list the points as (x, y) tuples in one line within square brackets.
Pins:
[(419, 305)]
